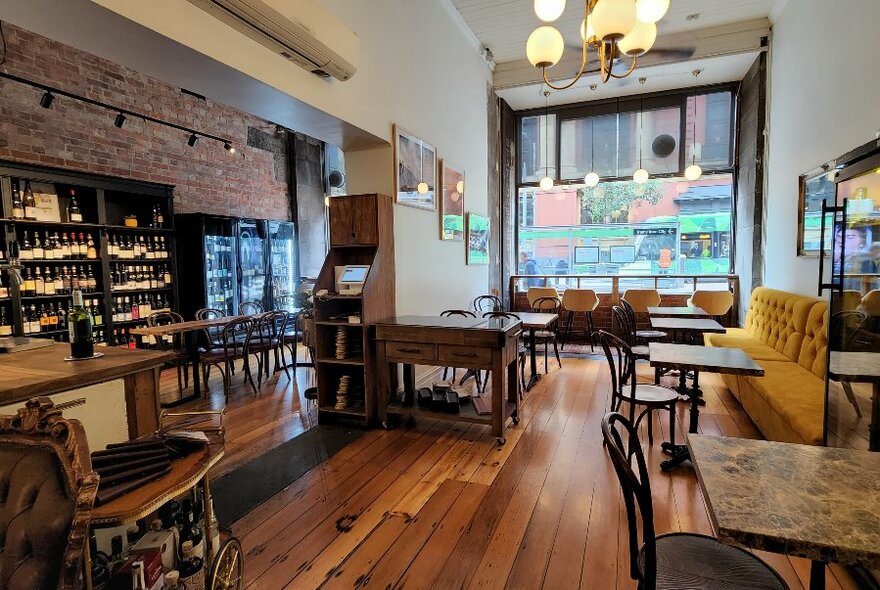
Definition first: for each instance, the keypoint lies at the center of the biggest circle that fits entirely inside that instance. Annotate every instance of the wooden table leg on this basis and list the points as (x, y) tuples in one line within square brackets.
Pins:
[(498, 405), (383, 370), (874, 439)]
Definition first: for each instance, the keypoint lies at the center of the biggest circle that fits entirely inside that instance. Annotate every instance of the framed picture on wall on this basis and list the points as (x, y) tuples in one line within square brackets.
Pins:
[(477, 239), (415, 161), (814, 187), (451, 202)]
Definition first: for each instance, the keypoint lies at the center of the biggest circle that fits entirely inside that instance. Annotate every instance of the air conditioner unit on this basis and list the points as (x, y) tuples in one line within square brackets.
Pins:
[(299, 30)]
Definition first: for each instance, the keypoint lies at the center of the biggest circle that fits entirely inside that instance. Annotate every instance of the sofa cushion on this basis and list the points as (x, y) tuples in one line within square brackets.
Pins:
[(779, 319), (740, 338), (814, 348), (796, 395)]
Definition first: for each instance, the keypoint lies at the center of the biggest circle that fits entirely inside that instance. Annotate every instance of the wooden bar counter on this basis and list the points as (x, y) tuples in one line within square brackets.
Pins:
[(115, 396)]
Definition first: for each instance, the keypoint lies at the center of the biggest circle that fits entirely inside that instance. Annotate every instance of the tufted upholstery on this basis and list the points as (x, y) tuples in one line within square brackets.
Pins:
[(788, 335), (35, 517)]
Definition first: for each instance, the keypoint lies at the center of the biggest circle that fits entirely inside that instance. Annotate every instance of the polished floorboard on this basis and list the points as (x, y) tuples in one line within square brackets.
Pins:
[(436, 504)]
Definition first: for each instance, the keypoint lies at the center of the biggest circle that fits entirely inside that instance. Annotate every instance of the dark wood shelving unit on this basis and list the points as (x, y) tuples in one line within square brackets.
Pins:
[(104, 201), (361, 233)]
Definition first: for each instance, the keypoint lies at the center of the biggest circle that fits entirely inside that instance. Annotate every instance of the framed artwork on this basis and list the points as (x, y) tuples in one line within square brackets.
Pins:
[(814, 187), (451, 202), (415, 161), (477, 239)]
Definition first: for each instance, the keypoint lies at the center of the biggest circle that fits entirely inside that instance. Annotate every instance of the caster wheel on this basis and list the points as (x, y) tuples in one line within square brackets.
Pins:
[(501, 441), (227, 570), (516, 420)]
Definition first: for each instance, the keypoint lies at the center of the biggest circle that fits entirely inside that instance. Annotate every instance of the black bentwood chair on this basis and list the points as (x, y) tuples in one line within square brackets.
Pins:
[(463, 313), (521, 353), (673, 561)]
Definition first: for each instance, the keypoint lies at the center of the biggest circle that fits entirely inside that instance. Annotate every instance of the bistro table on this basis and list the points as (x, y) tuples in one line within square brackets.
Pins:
[(688, 311), (820, 503), (686, 357), (533, 321), (692, 327), (860, 367), (191, 328)]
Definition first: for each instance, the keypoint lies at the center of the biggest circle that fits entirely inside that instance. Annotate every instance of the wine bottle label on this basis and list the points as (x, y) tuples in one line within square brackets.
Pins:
[(5, 330), (76, 217), (26, 254), (17, 213)]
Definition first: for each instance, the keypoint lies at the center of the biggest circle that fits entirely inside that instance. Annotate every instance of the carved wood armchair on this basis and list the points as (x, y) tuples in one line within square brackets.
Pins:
[(47, 489)]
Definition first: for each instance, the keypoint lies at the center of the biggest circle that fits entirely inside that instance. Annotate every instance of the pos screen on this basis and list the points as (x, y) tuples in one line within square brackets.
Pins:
[(354, 274)]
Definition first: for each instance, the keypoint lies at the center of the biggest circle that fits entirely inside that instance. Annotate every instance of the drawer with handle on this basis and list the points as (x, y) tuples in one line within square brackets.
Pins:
[(464, 356), (411, 352)]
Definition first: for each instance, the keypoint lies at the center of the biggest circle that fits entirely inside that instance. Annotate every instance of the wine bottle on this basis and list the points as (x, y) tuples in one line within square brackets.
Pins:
[(5, 326), (4, 290), (91, 250), (38, 252), (79, 325), (30, 204), (73, 213), (17, 205)]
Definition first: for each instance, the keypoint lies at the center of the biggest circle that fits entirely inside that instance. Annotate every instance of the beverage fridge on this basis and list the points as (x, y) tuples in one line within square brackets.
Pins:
[(252, 262), (283, 266), (207, 256)]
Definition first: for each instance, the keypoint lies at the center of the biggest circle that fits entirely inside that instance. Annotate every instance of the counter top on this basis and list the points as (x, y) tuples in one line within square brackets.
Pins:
[(44, 371)]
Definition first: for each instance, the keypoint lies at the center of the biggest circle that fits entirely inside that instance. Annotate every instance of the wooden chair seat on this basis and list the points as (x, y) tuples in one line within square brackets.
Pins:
[(688, 560), (651, 395)]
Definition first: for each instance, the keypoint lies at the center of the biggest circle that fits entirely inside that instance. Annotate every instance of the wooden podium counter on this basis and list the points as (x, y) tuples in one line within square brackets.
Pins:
[(44, 371)]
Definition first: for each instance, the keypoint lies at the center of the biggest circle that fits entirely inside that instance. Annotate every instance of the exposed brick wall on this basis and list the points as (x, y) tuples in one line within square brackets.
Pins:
[(77, 136)]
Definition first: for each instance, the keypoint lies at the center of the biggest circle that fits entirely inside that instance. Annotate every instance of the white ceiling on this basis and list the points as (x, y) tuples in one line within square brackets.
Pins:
[(504, 25)]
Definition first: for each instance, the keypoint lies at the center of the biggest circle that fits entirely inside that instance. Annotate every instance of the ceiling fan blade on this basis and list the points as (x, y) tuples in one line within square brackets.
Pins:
[(673, 52)]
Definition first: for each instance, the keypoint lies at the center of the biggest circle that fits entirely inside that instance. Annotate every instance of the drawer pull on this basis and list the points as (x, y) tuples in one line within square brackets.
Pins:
[(410, 350), (466, 355)]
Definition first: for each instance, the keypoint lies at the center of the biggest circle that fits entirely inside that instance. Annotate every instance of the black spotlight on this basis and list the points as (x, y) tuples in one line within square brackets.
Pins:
[(46, 100), (229, 148), (120, 120), (191, 142)]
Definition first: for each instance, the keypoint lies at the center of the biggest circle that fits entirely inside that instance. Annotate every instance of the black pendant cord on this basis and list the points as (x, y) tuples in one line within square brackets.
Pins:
[(109, 107)]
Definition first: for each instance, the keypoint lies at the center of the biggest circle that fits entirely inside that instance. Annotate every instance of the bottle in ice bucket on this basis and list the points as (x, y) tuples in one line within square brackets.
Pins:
[(79, 326)]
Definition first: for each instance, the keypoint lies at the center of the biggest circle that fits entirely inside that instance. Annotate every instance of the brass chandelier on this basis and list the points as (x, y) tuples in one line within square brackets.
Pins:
[(613, 28)]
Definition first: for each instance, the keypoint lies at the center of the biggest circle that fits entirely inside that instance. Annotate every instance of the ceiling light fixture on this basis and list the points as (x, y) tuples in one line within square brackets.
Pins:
[(694, 172), (228, 148), (613, 28), (46, 100), (592, 179), (546, 183), (193, 139), (641, 175), (119, 121)]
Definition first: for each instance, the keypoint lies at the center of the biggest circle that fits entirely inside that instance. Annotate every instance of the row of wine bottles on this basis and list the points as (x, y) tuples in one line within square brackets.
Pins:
[(57, 280), (127, 247), (24, 205), (53, 317), (137, 307), (129, 278), (57, 247)]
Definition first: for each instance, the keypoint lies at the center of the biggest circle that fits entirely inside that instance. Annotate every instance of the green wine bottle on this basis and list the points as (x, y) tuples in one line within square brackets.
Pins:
[(79, 326)]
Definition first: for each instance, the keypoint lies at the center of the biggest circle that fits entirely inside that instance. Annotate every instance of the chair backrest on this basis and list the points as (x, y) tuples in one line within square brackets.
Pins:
[(236, 337), (501, 315), (847, 330), (622, 445), (487, 303), (630, 314), (268, 327), (49, 489), (535, 293), (580, 299), (212, 334), (641, 299), (546, 305), (250, 308), (209, 313), (712, 302), (621, 366), (457, 312), (164, 318), (623, 323)]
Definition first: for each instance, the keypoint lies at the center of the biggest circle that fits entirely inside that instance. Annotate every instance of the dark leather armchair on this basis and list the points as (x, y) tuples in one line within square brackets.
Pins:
[(47, 489)]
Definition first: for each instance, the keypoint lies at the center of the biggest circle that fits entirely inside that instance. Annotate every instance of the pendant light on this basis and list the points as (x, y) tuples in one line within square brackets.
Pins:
[(546, 183), (592, 179), (694, 172), (549, 10), (641, 175)]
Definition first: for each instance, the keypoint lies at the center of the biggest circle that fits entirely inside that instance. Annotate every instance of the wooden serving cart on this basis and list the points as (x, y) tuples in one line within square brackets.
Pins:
[(224, 571)]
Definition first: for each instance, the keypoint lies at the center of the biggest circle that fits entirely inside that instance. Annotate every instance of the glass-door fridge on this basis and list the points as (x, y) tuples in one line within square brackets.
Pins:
[(207, 259), (252, 262), (220, 267), (283, 266)]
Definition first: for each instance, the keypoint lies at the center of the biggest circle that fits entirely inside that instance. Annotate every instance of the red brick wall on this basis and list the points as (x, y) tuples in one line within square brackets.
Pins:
[(77, 136)]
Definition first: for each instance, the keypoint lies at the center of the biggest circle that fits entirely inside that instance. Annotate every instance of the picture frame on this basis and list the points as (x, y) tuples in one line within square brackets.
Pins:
[(814, 187), (452, 187), (477, 246), (415, 170)]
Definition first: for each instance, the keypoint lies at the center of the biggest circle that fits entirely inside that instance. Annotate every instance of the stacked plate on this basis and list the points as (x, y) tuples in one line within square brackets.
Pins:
[(341, 343), (342, 392)]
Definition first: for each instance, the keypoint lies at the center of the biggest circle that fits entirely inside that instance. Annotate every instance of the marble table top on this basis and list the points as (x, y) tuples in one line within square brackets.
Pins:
[(687, 324), (863, 367), (689, 311), (710, 359), (821, 503)]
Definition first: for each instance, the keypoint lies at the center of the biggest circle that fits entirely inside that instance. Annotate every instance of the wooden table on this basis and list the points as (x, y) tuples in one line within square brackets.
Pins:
[(860, 367), (688, 325), (816, 502), (43, 371), (191, 329), (490, 344), (712, 359), (533, 321), (689, 311)]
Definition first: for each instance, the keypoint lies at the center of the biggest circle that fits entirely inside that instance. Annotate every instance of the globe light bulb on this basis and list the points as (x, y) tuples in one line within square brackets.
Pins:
[(591, 179), (612, 20), (650, 11), (639, 40), (544, 47), (549, 10), (587, 31), (693, 172), (641, 176), (326, 201), (455, 197), (422, 188), (459, 186), (546, 183)]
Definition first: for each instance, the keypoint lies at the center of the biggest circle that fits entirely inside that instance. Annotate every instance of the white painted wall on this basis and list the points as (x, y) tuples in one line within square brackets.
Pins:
[(824, 100)]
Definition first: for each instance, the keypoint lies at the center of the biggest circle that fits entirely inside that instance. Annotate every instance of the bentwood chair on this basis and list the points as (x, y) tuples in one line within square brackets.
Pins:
[(672, 561), (626, 331), (485, 303), (548, 336), (579, 301), (234, 345), (212, 335), (250, 308), (290, 340), (642, 335), (464, 313), (522, 352), (173, 344), (625, 387), (267, 338)]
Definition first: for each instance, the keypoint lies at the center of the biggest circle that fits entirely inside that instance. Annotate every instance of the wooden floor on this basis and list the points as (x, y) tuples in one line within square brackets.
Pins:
[(440, 505)]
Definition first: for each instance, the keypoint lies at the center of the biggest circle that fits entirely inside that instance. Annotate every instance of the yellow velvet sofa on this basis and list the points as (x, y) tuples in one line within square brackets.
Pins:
[(787, 335)]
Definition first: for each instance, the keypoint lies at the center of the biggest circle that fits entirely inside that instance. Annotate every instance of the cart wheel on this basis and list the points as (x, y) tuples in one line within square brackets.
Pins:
[(227, 570)]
